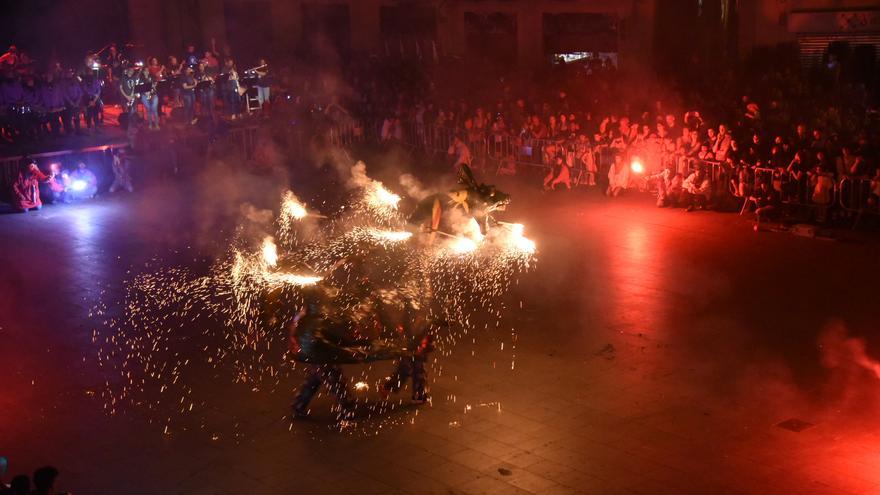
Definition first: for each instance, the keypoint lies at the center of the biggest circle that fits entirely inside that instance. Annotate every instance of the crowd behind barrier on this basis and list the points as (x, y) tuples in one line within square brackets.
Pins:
[(584, 125), (503, 154)]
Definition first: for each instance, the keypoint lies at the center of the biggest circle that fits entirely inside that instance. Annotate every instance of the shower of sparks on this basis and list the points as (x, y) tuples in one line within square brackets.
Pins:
[(233, 314), (380, 202)]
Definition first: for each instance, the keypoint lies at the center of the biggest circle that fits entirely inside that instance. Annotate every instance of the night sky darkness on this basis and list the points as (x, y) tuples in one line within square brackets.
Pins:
[(47, 29)]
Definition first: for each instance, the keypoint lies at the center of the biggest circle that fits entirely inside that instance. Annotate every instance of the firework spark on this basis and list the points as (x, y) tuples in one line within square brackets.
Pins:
[(172, 318)]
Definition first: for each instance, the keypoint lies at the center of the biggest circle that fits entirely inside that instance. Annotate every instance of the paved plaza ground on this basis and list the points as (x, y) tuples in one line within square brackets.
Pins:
[(657, 352)]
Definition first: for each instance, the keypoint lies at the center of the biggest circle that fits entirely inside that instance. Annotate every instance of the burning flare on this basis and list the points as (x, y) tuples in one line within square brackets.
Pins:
[(390, 235), (518, 241), (270, 251), (291, 208), (379, 197)]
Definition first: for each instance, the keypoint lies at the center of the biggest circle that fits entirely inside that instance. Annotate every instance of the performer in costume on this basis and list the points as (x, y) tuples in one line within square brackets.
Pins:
[(25, 189)]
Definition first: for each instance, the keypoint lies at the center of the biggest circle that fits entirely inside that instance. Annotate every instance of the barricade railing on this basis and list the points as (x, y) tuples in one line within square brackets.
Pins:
[(857, 195)]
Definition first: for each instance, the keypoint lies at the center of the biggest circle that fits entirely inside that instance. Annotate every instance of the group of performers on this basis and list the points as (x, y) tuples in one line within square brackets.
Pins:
[(381, 324), (33, 105), (32, 186), (36, 104)]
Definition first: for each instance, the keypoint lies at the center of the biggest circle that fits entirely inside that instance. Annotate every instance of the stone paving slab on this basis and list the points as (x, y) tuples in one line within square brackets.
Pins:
[(648, 362)]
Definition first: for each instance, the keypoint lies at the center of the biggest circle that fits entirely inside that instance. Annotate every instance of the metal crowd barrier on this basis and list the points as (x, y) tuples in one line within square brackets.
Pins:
[(856, 195)]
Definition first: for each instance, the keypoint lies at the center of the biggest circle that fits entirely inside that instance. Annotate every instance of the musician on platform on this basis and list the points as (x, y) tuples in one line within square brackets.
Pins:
[(173, 73), (188, 94), (126, 88), (231, 95), (150, 97), (73, 94), (51, 101), (191, 57), (262, 72), (92, 86), (205, 90), (113, 61)]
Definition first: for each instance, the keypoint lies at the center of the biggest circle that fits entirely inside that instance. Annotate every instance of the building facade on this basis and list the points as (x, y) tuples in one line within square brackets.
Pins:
[(527, 33)]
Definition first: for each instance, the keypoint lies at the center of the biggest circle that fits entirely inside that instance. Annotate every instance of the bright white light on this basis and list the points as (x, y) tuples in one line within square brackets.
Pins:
[(463, 245), (361, 386), (270, 252), (636, 166), (292, 278), (472, 230), (391, 235), (293, 208), (519, 242), (79, 185)]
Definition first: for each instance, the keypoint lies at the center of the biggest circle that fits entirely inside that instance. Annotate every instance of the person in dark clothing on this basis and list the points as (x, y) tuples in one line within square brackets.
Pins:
[(766, 200), (94, 107), (44, 480), (51, 98), (20, 485), (412, 367), (188, 94), (73, 94)]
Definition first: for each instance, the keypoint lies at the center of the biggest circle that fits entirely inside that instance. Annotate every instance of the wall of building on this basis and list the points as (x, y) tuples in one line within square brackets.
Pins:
[(765, 22), (635, 42)]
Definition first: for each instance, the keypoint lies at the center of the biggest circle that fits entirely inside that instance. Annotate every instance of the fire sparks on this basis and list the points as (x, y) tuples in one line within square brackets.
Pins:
[(378, 196), (380, 202), (234, 315)]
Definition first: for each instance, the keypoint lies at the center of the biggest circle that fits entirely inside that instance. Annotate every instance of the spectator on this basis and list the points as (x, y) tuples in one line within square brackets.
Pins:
[(560, 173), (766, 201), (696, 190), (460, 152), (44, 481), (4, 465), (822, 184), (618, 177), (20, 485), (121, 172)]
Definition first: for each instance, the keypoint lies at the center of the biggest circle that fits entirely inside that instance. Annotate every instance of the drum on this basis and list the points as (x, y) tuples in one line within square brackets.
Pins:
[(249, 81)]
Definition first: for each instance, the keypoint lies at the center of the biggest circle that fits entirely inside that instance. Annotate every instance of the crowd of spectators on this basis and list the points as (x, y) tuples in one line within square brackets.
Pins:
[(696, 147), (43, 481)]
